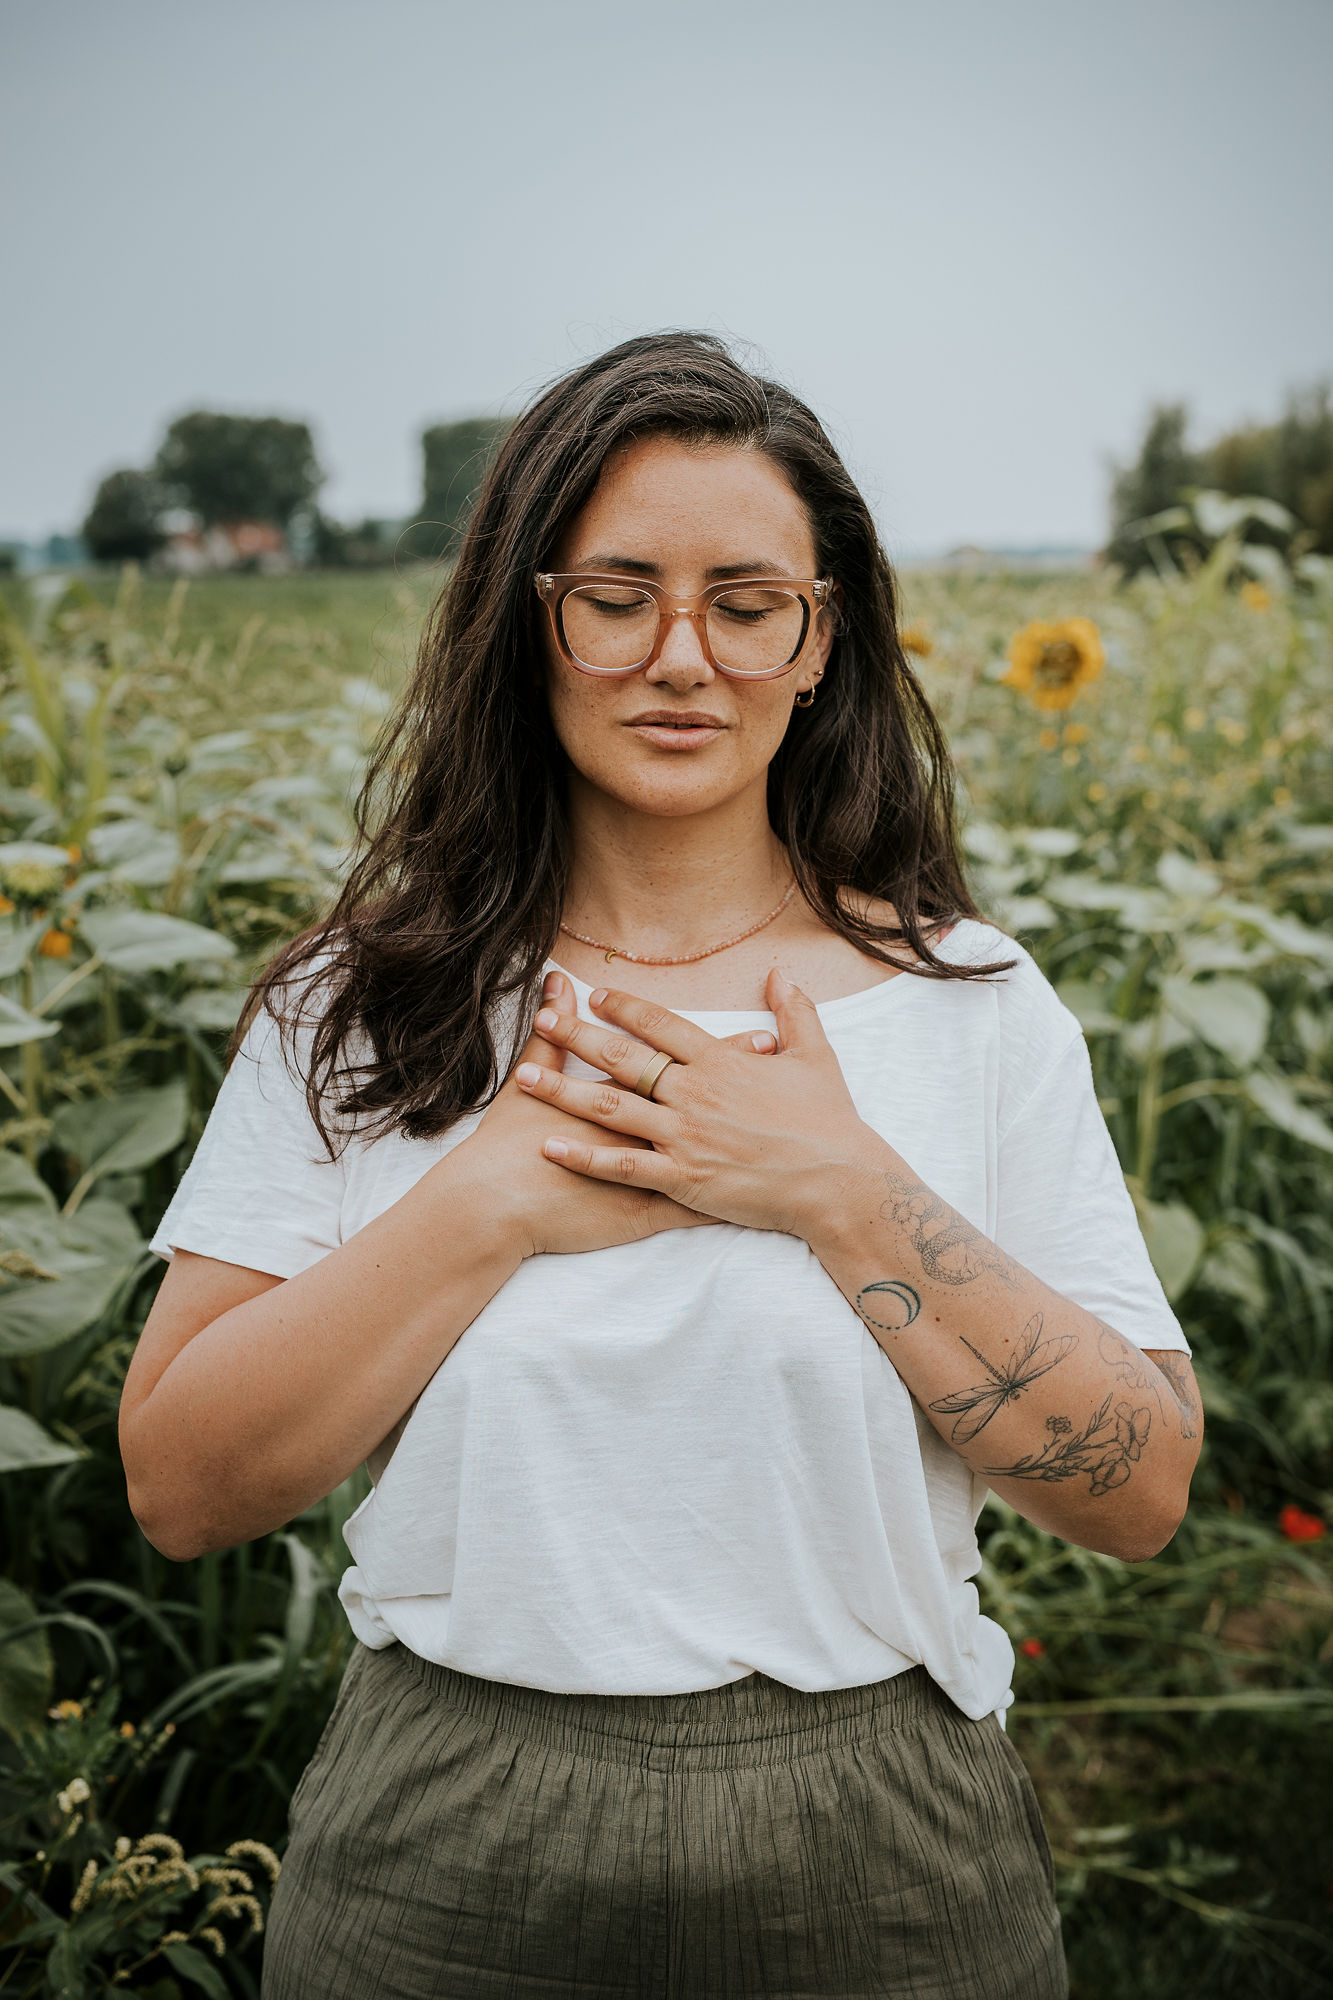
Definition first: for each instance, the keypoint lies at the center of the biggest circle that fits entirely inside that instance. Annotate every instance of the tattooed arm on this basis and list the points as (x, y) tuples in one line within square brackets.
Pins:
[(1080, 1430), (1084, 1433)]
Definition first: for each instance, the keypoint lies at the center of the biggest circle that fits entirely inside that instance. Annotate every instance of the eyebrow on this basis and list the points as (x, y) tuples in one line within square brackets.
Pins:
[(719, 571)]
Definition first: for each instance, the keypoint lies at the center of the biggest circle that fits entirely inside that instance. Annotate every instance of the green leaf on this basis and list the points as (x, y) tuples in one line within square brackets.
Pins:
[(17, 943), (1055, 842), (1175, 1239), (1086, 999), (134, 850), (1184, 877), (67, 1965), (150, 941), (987, 842), (1229, 1014), (261, 861), (215, 1007), (18, 1026), (102, 1228), (1222, 513), (116, 1134), (89, 1254), (1234, 1269), (23, 1443), (1025, 913), (1287, 933), (21, 1187), (1274, 1096), (1155, 1035), (191, 1964), (1145, 910), (25, 1665), (36, 1316)]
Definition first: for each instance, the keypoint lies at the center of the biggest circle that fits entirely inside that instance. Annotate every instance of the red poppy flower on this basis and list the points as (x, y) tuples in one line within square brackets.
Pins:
[(1032, 1649), (1298, 1526)]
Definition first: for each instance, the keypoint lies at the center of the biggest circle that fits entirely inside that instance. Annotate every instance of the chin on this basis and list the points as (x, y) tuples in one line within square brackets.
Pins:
[(665, 794)]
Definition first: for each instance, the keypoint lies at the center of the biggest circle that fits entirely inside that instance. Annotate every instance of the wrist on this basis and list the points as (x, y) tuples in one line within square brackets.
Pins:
[(479, 1208), (841, 1201)]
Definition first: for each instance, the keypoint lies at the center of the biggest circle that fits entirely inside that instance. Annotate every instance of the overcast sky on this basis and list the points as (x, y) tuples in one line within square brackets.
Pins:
[(981, 236)]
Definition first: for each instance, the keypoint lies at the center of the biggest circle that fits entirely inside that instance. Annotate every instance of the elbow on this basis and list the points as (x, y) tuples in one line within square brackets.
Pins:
[(162, 1511), (1149, 1531), (168, 1529)]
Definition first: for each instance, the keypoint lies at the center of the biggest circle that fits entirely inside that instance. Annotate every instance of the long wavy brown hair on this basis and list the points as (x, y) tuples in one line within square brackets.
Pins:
[(452, 903)]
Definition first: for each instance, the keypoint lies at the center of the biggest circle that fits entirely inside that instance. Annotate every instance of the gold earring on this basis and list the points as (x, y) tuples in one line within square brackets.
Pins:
[(806, 698)]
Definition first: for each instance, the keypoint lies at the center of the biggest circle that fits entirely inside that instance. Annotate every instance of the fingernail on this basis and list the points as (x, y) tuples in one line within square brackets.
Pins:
[(551, 986), (555, 1149), (781, 976), (528, 1073), (548, 1018), (599, 995), (764, 1044)]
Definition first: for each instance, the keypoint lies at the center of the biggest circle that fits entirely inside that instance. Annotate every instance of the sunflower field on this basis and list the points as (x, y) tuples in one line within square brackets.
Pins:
[(1146, 773)]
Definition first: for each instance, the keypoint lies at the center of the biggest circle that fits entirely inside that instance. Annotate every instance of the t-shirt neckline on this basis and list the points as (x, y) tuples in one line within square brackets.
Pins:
[(845, 1004)]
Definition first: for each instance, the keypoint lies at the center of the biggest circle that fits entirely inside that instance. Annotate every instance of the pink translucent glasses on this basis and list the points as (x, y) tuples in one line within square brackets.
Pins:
[(753, 628)]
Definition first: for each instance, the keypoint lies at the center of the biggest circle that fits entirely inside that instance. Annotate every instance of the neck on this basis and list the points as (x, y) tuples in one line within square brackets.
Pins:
[(650, 883)]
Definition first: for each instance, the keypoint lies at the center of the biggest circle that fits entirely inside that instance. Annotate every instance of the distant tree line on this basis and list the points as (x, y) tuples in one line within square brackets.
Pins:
[(1290, 462), (219, 470)]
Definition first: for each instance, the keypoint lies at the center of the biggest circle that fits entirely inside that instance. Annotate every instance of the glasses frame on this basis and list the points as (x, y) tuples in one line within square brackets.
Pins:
[(553, 587)]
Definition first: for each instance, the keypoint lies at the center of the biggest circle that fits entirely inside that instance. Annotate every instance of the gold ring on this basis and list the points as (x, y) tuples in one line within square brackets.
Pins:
[(652, 1070)]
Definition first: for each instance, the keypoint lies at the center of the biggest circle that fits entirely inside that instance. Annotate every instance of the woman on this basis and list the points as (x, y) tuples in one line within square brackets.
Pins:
[(683, 1349)]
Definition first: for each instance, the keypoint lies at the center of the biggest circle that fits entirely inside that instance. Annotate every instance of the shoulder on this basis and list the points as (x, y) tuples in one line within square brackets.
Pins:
[(1033, 1028), (274, 1059)]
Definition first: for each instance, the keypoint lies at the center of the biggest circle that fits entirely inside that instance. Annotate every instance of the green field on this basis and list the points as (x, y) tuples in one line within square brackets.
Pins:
[(1162, 840), (336, 622)]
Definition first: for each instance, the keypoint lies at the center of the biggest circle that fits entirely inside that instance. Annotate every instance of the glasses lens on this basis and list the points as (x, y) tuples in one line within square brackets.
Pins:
[(609, 627), (756, 630)]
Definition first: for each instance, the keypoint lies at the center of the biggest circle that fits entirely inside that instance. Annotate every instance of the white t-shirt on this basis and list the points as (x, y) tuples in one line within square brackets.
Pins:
[(664, 1466)]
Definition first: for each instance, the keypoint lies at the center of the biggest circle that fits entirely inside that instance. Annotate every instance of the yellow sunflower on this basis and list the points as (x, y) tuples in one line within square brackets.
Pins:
[(914, 640), (1050, 663)]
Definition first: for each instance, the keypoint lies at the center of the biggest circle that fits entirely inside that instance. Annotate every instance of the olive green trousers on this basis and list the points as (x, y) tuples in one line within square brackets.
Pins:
[(455, 1837)]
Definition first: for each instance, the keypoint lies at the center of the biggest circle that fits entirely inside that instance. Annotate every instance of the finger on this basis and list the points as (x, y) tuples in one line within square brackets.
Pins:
[(657, 1026), (627, 1165), (755, 1041), (799, 1025), (598, 1103), (558, 998), (601, 1048)]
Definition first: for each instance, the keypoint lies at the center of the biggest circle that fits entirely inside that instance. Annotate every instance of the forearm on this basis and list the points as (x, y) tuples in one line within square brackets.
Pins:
[(274, 1403), (1059, 1413)]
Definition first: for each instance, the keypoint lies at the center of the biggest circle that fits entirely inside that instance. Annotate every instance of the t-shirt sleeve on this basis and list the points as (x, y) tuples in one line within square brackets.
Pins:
[(1065, 1213), (261, 1189)]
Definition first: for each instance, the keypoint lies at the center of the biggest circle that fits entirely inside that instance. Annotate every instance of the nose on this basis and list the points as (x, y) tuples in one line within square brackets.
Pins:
[(681, 663)]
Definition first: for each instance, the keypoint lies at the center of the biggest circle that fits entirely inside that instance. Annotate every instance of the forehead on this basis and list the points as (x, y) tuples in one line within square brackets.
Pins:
[(659, 500)]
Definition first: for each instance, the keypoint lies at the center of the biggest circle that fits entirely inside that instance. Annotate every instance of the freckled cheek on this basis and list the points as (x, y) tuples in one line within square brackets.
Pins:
[(580, 716), (764, 720)]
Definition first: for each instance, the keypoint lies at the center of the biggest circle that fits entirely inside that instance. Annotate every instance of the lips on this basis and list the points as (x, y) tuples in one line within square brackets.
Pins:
[(676, 729), (676, 718)]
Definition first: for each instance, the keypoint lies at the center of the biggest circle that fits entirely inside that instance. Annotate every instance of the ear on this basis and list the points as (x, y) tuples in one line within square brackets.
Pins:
[(826, 631)]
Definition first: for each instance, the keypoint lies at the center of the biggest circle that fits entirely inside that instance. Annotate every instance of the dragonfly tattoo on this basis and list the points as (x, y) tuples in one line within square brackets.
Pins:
[(974, 1408)]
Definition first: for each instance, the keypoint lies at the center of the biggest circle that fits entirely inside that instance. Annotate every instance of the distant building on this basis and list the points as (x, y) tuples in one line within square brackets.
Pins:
[(229, 545)]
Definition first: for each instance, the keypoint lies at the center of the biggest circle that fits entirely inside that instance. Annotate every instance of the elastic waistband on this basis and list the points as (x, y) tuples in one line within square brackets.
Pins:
[(751, 1721)]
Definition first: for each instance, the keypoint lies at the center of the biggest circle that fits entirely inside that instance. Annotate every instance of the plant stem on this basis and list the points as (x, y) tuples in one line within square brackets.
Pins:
[(34, 1070)]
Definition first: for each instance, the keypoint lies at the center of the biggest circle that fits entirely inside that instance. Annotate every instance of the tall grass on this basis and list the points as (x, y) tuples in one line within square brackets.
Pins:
[(168, 813)]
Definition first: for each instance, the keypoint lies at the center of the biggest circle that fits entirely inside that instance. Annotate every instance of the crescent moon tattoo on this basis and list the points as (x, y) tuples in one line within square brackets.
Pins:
[(896, 1301)]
